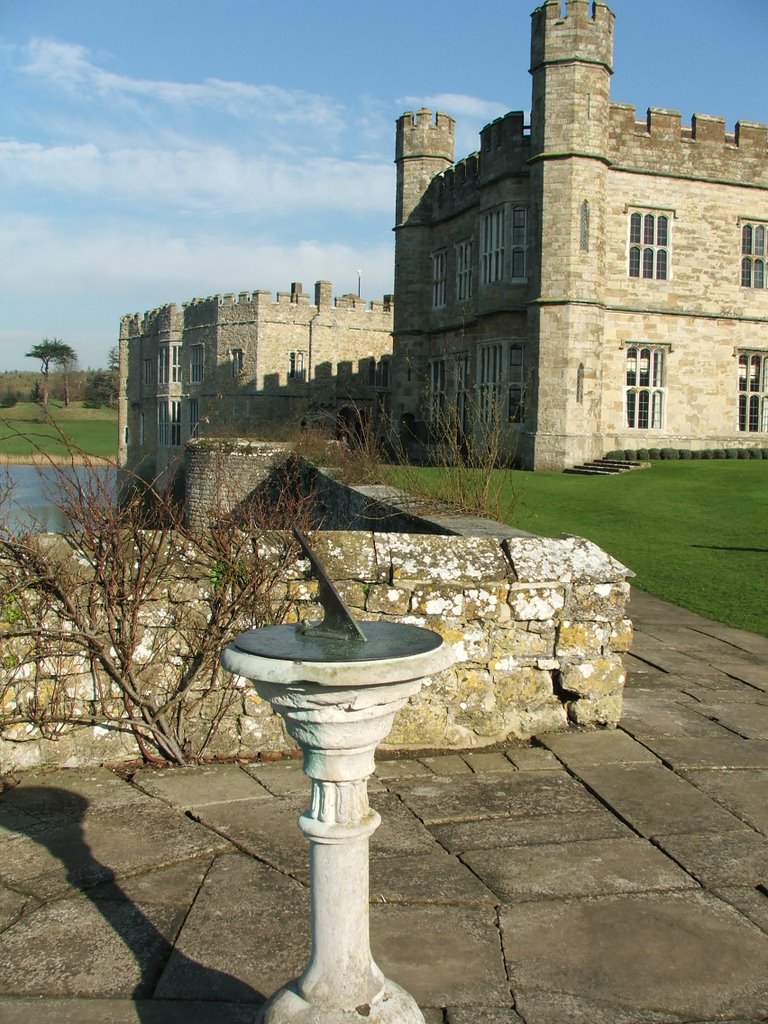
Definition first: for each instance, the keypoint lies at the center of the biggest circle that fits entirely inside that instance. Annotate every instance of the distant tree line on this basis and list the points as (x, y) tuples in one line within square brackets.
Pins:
[(61, 379)]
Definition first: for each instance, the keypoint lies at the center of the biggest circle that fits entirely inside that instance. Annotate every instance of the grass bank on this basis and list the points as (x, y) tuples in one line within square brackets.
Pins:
[(695, 533), (27, 434)]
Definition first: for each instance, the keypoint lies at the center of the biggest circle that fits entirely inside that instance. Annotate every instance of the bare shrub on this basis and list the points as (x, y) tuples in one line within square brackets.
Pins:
[(121, 620)]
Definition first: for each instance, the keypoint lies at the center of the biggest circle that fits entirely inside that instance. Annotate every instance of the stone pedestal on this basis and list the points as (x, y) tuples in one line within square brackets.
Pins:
[(338, 713)]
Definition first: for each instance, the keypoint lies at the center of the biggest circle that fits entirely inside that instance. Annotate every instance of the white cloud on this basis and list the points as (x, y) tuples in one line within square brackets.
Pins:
[(68, 66), (459, 105), (215, 177)]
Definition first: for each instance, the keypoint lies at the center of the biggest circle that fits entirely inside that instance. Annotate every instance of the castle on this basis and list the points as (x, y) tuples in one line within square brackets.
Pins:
[(239, 364), (588, 282)]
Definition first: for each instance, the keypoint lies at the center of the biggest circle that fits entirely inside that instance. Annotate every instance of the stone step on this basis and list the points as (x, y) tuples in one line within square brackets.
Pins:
[(606, 467)]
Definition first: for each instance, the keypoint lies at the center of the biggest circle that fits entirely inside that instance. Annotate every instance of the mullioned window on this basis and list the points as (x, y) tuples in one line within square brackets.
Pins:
[(753, 256), (649, 246)]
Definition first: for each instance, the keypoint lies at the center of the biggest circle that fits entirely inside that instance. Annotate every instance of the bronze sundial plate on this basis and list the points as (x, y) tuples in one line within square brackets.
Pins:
[(385, 641)]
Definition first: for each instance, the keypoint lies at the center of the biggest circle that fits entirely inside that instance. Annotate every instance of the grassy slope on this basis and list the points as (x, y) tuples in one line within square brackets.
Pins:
[(25, 430), (695, 533)]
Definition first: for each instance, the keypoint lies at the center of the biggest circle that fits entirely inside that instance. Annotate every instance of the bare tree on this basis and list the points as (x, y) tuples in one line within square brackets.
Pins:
[(121, 621)]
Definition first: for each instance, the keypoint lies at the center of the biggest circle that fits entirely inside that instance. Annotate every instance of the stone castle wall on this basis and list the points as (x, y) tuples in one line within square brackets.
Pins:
[(538, 627)]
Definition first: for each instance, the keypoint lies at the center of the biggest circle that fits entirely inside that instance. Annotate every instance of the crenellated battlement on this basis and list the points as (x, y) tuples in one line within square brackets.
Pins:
[(424, 135), (583, 33), (704, 149), (244, 306)]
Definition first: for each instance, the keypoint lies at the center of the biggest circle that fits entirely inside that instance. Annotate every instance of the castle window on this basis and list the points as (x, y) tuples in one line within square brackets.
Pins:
[(382, 373), (649, 246), (437, 391), (516, 400), (149, 376), (645, 391), (492, 246), (519, 242), (753, 392), (463, 270), (196, 364), (371, 373), (490, 364), (296, 366), (584, 227), (237, 361), (580, 384), (461, 373), (142, 428), (194, 417), (753, 246), (169, 424), (439, 277)]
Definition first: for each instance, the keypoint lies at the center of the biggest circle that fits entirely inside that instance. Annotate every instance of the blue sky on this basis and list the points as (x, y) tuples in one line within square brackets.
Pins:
[(157, 150)]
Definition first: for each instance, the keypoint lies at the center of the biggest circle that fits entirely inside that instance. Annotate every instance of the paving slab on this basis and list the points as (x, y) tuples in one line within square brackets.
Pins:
[(748, 720), (68, 855), (591, 868), (655, 801), (401, 768), (752, 903), (744, 792), (85, 947), (606, 747), (729, 691), (439, 800), (435, 877), (446, 764), (500, 833), (267, 830), (644, 716), (443, 956), (493, 761), (174, 886), (740, 858), (245, 936), (692, 752), (198, 786), (12, 906), (755, 674), (66, 792), (634, 960), (482, 1015), (121, 1011), (533, 759), (281, 778)]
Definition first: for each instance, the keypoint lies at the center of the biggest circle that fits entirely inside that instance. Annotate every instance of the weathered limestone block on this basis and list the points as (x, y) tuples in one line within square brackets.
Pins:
[(475, 707), (549, 716), (439, 600), (536, 603), (580, 639), (352, 593), (600, 602), (564, 560), (620, 637), (348, 555), (487, 603), (596, 711), (385, 600), (448, 559), (260, 727), (421, 723), (470, 642), (595, 678), (523, 688), (517, 644)]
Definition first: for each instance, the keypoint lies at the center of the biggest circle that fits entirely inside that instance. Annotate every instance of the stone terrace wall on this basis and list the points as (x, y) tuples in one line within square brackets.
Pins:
[(538, 626)]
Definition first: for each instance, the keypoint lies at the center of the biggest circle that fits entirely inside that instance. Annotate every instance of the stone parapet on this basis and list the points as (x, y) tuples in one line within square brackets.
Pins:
[(537, 627)]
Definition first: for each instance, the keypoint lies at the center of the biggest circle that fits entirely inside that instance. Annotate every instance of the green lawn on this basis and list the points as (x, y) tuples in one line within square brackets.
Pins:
[(695, 533), (25, 430)]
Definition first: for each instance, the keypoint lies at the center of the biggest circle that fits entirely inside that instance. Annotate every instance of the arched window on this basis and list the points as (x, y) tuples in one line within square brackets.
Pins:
[(580, 384)]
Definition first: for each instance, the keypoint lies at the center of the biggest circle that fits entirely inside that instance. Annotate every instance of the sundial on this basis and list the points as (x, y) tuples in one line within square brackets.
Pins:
[(337, 637)]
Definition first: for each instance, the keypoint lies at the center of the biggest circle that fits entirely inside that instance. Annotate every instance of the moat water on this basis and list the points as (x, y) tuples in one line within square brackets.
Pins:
[(31, 496)]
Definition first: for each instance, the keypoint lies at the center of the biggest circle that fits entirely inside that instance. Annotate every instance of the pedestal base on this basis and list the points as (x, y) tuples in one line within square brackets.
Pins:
[(394, 1007)]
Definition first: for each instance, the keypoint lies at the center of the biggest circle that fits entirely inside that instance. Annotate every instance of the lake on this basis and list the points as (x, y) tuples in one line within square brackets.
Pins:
[(36, 490)]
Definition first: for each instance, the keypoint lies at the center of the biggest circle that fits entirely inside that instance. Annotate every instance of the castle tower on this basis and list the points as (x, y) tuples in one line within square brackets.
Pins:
[(571, 66), (423, 148)]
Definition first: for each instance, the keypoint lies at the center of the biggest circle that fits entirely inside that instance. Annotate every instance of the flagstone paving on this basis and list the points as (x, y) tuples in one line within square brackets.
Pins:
[(610, 877)]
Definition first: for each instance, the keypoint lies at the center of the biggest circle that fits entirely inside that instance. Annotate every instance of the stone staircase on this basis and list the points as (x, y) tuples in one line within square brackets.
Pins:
[(607, 467)]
